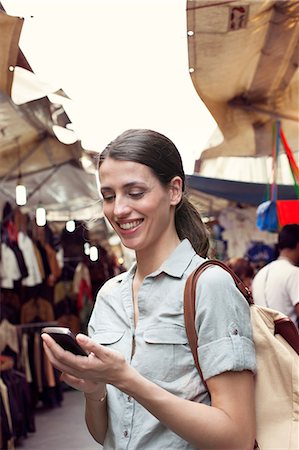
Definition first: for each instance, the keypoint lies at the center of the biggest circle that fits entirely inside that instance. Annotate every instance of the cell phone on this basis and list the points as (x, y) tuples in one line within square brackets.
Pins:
[(66, 339)]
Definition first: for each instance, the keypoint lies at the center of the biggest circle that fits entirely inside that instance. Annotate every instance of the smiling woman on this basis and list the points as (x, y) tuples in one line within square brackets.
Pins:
[(141, 386)]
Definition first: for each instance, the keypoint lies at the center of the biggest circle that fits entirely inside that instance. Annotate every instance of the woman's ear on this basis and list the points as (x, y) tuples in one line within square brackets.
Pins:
[(176, 190)]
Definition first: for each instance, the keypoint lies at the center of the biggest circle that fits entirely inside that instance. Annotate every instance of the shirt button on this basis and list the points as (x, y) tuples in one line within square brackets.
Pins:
[(235, 331), (129, 398), (126, 434)]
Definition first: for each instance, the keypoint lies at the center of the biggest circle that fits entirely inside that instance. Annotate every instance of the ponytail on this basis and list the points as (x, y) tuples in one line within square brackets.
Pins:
[(189, 225)]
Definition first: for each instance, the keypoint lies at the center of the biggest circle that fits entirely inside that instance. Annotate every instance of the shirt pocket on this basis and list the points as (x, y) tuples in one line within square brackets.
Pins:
[(165, 353), (110, 338)]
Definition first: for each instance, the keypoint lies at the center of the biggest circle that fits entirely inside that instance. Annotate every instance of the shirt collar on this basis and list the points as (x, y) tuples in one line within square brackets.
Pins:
[(128, 274), (175, 265), (178, 261)]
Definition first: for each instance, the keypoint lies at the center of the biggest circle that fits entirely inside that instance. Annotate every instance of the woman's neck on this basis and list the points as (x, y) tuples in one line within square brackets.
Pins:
[(149, 261)]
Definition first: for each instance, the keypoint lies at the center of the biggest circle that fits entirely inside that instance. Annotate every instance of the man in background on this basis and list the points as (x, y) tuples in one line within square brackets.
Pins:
[(276, 285)]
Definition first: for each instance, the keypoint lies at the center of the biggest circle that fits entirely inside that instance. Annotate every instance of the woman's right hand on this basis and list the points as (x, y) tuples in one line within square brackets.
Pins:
[(97, 390), (89, 374), (67, 363)]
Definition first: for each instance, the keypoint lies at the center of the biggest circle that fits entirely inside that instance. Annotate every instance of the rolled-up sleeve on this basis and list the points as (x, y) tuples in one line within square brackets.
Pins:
[(223, 324)]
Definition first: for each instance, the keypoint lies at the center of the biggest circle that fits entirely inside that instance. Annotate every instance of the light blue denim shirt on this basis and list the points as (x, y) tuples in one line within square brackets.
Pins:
[(162, 353)]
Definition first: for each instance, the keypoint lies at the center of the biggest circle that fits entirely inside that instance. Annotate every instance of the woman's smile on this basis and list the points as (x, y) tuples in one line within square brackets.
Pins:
[(129, 225)]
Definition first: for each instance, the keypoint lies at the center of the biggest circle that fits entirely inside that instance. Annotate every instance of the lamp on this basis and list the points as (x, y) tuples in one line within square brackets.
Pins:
[(86, 248), (93, 253), (21, 194), (70, 226), (40, 216)]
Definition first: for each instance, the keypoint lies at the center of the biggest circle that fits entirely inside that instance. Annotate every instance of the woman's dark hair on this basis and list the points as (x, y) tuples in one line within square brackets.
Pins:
[(159, 153)]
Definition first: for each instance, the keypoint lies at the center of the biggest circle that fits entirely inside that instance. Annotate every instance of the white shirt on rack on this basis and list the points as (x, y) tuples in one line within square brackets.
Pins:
[(9, 268), (26, 246)]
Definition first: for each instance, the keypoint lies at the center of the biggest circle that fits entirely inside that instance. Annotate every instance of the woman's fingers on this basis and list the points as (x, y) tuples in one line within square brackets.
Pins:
[(102, 365), (72, 381), (81, 384), (75, 365), (92, 347), (60, 358), (83, 340), (111, 364)]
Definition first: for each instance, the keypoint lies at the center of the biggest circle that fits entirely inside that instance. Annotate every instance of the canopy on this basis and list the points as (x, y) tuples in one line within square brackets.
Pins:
[(30, 151), (234, 191), (243, 59), (244, 65)]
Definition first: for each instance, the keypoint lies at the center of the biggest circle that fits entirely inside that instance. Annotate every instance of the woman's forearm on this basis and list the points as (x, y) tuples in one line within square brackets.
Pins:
[(201, 425), (96, 417)]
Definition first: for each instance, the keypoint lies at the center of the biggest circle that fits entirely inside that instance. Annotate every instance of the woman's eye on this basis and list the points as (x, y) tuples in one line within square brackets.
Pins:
[(136, 194), (108, 198)]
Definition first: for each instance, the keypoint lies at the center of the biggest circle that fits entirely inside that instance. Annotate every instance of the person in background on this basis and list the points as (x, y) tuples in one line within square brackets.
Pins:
[(140, 382), (243, 269), (276, 285)]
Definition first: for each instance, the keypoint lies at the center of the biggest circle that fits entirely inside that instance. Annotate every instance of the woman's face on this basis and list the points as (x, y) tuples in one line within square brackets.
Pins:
[(138, 207)]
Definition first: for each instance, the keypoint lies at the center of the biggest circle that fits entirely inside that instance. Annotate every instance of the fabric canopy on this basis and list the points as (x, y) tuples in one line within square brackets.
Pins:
[(244, 64), (30, 150), (10, 33), (236, 191)]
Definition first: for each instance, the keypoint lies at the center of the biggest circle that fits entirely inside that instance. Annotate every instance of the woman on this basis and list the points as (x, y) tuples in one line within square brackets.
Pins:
[(141, 386)]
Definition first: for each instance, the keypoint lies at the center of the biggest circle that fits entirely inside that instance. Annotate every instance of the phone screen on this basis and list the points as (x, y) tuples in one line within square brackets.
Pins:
[(66, 339)]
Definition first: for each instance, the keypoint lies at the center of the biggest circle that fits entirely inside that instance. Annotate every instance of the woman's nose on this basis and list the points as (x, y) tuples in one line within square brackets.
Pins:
[(121, 207)]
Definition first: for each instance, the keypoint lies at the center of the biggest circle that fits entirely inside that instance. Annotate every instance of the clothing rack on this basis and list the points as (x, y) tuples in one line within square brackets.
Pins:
[(45, 385), (72, 258), (36, 325)]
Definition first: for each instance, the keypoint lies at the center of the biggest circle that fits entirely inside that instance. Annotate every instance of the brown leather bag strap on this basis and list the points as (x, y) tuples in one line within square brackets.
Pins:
[(189, 315), (189, 308), (189, 304)]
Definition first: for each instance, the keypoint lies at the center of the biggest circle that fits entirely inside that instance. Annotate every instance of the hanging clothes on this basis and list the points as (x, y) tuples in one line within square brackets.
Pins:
[(83, 291), (34, 275), (24, 360), (8, 336), (37, 310), (39, 261), (10, 305), (43, 378), (65, 306), (44, 257), (7, 440), (9, 237), (55, 270), (17, 415), (9, 268)]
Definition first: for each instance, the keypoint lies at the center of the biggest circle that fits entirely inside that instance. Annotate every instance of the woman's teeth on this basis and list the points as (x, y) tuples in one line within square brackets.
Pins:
[(129, 225)]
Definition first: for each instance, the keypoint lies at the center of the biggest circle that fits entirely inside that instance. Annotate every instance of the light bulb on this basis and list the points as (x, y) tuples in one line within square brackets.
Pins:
[(40, 216), (86, 248), (21, 195), (93, 253), (70, 226)]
